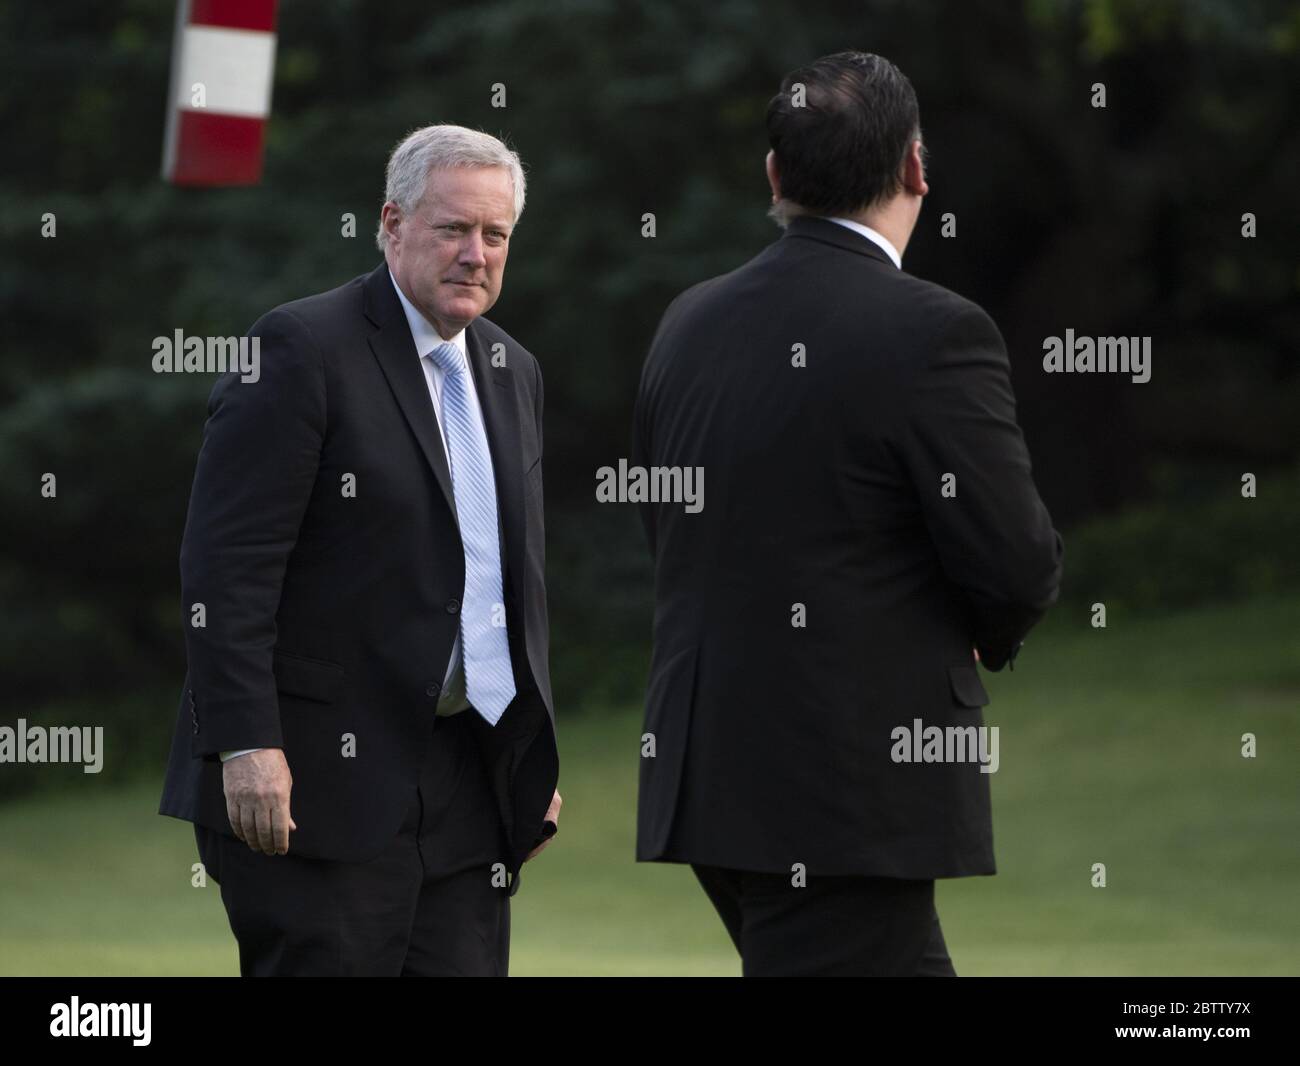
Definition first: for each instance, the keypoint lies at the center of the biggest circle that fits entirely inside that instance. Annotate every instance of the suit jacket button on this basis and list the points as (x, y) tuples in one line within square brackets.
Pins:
[(432, 689), (453, 606)]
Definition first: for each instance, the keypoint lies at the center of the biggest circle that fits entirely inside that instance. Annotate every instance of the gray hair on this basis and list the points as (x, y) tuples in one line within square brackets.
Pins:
[(444, 146)]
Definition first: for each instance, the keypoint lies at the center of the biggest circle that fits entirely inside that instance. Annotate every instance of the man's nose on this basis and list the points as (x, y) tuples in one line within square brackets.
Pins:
[(471, 250)]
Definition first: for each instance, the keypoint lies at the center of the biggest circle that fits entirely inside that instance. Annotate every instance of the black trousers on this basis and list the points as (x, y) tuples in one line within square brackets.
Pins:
[(831, 927), (426, 906)]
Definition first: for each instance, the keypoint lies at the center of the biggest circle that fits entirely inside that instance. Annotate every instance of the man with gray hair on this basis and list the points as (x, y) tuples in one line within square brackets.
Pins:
[(366, 736)]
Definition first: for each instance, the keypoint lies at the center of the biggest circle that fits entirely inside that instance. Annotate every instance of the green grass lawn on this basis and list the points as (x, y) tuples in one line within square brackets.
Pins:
[(1118, 746)]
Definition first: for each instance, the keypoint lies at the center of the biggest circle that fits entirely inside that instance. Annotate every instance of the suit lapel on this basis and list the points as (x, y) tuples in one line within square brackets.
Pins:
[(394, 347), (497, 399)]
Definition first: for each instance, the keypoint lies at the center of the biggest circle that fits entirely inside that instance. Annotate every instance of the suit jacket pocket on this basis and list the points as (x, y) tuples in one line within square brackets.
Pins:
[(311, 679), (967, 688)]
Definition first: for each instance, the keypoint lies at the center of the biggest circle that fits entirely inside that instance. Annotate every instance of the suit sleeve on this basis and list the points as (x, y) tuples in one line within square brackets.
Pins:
[(994, 537), (256, 469), (641, 456), (537, 404)]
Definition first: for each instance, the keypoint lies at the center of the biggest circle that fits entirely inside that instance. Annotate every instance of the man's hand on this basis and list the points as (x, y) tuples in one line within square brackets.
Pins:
[(552, 815), (977, 654), (257, 787)]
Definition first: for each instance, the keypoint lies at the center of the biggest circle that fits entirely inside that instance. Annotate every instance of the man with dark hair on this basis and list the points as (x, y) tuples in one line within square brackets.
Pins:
[(872, 528)]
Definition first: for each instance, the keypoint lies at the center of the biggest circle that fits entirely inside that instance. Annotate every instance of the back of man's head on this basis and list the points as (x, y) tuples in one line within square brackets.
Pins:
[(839, 130)]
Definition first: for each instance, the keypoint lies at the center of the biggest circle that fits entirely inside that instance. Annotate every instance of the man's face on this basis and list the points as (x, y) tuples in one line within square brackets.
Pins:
[(449, 254)]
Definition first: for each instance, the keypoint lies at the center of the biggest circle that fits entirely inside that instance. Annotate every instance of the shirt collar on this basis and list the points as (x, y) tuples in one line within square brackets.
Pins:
[(426, 337), (872, 235)]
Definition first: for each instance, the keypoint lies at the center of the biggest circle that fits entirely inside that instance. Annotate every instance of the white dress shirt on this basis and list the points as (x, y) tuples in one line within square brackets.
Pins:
[(453, 699), (872, 235)]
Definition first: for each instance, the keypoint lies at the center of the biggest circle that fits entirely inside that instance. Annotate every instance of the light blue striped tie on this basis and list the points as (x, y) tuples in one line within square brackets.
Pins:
[(485, 649)]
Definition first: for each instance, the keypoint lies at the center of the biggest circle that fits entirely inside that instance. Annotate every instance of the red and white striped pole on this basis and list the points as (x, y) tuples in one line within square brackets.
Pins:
[(222, 65)]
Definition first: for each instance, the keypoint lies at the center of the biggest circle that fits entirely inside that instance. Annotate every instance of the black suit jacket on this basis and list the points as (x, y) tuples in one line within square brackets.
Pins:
[(823, 489), (329, 615)]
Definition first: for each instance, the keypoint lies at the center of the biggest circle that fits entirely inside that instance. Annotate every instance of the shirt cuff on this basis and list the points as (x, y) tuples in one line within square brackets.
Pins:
[(235, 754)]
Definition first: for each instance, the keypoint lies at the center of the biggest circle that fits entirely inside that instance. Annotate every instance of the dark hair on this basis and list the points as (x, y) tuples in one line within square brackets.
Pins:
[(843, 149)]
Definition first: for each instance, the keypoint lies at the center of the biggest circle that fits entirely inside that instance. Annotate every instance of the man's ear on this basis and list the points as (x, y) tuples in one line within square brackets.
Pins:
[(773, 178), (914, 170), (390, 218)]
